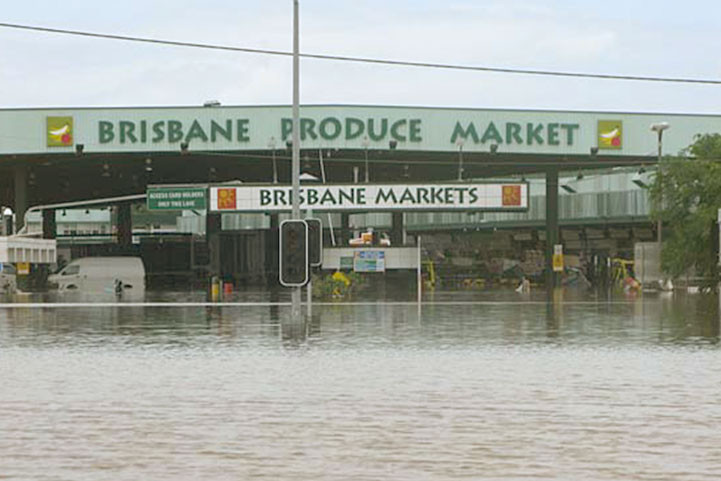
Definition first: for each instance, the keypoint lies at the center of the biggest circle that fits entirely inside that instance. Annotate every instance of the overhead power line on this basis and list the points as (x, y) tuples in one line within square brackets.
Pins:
[(342, 58)]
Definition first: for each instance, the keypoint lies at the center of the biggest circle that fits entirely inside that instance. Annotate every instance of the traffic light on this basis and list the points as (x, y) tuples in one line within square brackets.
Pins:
[(293, 262), (315, 242)]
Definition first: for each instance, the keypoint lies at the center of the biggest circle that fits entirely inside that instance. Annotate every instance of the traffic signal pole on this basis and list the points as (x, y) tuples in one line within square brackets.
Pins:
[(295, 159), (309, 286)]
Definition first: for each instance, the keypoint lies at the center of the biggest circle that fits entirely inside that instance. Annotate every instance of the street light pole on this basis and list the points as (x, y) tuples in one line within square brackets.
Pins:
[(459, 143), (365, 146), (659, 128), (271, 144), (295, 159)]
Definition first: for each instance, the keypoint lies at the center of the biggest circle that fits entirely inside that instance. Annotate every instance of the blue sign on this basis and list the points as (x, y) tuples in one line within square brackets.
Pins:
[(369, 261)]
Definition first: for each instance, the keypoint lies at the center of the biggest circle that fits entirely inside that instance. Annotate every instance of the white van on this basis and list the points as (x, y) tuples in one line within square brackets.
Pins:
[(101, 274), (8, 278)]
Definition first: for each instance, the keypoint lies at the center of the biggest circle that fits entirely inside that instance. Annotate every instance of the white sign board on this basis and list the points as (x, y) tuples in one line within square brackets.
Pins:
[(358, 127), (507, 196)]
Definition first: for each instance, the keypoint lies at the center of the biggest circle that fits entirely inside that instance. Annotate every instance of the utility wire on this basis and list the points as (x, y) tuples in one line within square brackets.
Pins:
[(342, 58)]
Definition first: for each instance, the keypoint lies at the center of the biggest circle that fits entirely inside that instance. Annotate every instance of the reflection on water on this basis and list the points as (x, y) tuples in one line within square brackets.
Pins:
[(587, 388)]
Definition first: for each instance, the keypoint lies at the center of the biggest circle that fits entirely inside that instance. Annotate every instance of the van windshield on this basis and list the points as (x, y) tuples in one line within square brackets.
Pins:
[(7, 269), (71, 270)]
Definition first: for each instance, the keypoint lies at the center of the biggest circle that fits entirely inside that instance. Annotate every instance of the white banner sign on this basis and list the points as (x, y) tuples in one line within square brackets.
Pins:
[(380, 197)]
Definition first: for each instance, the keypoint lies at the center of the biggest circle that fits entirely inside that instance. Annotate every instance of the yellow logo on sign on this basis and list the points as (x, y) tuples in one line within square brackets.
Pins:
[(610, 134), (226, 199), (60, 131), (511, 195)]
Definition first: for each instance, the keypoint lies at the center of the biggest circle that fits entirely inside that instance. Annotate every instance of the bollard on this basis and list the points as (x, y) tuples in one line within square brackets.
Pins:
[(214, 289)]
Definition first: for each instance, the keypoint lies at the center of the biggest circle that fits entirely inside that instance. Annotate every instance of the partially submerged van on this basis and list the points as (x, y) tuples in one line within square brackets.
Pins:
[(101, 274)]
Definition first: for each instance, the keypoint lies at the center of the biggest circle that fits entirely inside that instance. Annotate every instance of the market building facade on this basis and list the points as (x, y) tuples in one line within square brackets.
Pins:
[(425, 165)]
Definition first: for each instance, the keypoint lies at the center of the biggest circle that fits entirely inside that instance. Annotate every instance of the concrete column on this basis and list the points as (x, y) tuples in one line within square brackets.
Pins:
[(41, 271), (49, 225), (397, 230), (213, 228), (124, 225), (552, 279), (271, 251), (7, 225), (345, 234), (21, 196)]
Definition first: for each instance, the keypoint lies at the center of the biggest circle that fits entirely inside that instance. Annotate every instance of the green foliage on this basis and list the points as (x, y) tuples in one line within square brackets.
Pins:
[(327, 287), (686, 196)]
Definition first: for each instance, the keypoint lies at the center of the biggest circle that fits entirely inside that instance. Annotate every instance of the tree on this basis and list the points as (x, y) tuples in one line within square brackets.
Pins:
[(686, 197)]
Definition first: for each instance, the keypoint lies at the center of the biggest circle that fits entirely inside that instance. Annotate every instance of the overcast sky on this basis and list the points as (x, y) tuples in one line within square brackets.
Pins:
[(635, 37)]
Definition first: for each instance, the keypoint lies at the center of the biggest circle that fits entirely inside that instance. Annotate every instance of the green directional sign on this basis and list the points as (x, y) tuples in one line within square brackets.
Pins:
[(176, 198)]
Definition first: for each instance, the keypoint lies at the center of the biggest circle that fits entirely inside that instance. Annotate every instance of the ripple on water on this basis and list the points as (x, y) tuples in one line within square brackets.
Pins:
[(366, 392)]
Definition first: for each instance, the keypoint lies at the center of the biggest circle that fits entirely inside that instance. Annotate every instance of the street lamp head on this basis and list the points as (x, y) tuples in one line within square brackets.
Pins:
[(660, 126), (308, 177), (639, 179)]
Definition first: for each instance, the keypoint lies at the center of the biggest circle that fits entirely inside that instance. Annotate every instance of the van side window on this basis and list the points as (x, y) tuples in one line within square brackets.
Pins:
[(71, 270)]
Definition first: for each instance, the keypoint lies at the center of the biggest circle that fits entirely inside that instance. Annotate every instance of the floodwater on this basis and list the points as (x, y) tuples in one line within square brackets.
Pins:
[(466, 386)]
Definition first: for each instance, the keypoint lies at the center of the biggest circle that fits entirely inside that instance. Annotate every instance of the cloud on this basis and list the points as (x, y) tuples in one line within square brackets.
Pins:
[(43, 69)]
